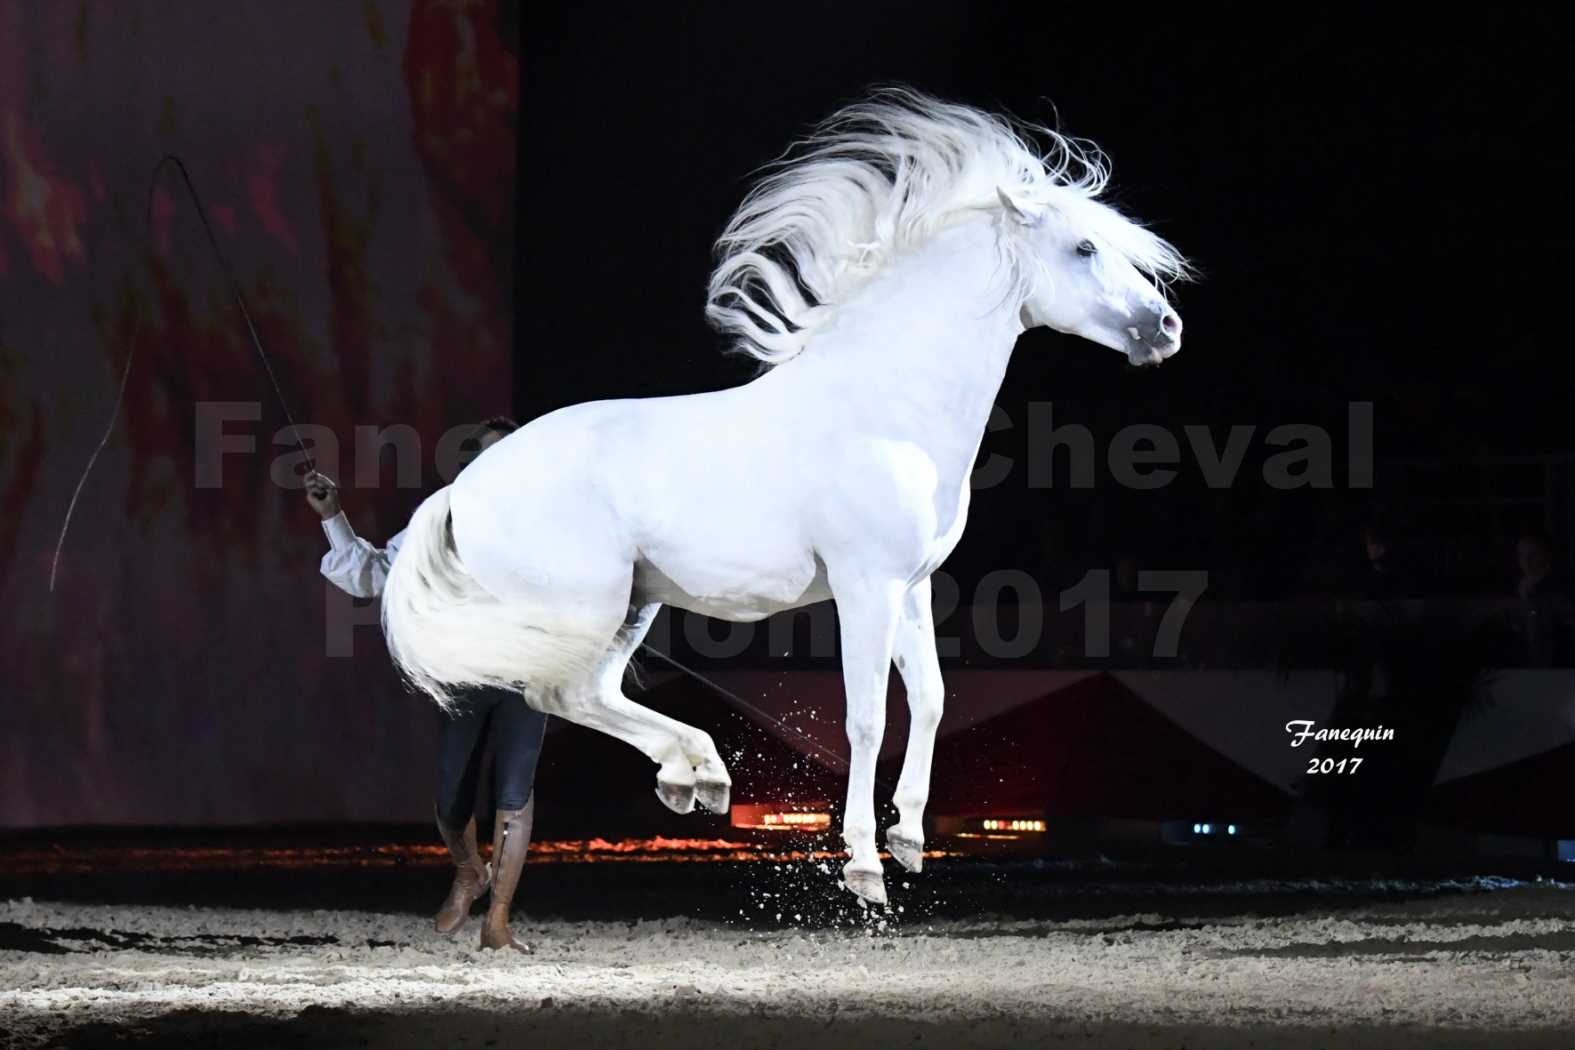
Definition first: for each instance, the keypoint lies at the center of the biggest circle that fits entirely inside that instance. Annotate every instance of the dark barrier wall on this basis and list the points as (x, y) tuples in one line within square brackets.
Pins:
[(357, 161)]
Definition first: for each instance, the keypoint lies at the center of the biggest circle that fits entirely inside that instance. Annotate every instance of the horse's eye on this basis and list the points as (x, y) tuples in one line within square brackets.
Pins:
[(1086, 248)]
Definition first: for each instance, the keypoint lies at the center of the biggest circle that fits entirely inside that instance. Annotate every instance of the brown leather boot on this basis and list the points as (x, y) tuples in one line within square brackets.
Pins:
[(470, 881), (510, 843)]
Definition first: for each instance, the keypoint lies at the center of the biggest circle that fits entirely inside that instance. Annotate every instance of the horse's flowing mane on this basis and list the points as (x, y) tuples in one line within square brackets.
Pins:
[(881, 177)]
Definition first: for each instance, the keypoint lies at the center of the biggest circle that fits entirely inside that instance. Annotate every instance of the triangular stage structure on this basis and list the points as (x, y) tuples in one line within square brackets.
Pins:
[(1530, 796), (1091, 749)]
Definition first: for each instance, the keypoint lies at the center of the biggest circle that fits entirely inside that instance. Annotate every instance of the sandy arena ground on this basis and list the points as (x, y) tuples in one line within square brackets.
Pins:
[(1492, 967)]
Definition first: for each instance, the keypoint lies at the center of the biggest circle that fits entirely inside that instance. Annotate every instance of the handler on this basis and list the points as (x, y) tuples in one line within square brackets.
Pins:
[(360, 569)]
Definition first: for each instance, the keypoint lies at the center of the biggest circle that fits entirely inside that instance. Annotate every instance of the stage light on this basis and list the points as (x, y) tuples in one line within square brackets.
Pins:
[(768, 817), (1207, 830), (1230, 829), (796, 819)]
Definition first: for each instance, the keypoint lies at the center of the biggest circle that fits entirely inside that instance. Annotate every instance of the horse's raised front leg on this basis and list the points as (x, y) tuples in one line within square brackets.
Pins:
[(868, 612), (689, 767), (916, 660)]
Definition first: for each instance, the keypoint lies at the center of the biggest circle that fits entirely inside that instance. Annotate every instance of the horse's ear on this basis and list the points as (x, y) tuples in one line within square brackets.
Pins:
[(1029, 216)]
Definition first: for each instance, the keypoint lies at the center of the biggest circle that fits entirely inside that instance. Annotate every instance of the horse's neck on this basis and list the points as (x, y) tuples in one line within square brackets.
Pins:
[(925, 346)]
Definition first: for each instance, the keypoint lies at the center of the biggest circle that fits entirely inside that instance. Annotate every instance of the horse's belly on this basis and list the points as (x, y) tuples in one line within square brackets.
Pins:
[(739, 593)]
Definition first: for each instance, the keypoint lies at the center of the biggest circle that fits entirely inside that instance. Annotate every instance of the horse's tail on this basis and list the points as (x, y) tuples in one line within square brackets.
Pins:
[(446, 632)]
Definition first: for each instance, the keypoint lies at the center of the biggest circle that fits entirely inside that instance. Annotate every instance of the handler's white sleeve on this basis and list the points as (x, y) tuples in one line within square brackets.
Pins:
[(354, 565)]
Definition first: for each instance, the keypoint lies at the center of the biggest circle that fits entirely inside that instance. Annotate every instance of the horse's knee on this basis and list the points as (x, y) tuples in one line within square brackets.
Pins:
[(863, 734)]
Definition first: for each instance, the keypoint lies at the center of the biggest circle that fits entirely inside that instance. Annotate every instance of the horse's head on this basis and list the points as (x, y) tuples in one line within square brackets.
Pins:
[(1084, 281)]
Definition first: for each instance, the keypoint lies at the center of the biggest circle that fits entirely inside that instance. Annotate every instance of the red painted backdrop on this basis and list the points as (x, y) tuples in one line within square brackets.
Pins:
[(357, 161)]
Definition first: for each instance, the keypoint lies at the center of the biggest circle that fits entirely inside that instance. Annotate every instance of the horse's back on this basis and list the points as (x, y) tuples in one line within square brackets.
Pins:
[(644, 483)]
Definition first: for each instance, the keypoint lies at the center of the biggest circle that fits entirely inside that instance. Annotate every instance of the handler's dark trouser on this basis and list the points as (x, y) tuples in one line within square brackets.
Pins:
[(516, 730)]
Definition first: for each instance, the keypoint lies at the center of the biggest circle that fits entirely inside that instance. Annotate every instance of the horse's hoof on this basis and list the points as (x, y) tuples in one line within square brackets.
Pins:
[(905, 851), (714, 796), (867, 885), (680, 798)]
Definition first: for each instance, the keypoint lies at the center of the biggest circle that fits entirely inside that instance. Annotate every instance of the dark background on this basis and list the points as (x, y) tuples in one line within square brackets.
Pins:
[(1373, 201)]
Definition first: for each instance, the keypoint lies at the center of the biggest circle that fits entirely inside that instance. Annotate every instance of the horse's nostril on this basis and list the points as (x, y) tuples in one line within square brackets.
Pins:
[(1170, 324)]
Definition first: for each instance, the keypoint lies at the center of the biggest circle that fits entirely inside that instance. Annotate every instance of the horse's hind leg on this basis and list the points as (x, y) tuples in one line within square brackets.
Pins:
[(689, 766), (690, 763), (915, 656)]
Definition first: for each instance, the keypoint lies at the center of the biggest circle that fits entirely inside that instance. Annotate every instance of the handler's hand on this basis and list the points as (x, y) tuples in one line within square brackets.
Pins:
[(322, 494)]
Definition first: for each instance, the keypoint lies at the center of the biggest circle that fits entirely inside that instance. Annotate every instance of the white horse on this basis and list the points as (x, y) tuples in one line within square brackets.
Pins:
[(882, 273)]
